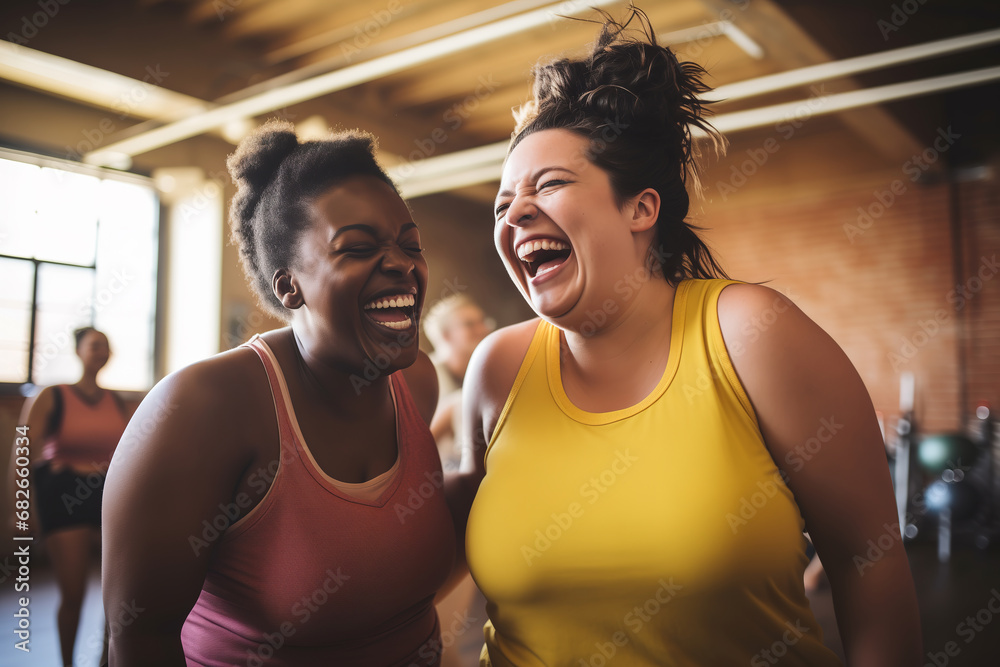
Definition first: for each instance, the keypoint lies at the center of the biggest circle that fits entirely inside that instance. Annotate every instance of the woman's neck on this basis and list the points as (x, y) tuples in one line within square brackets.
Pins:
[(88, 383), (634, 341), (342, 391)]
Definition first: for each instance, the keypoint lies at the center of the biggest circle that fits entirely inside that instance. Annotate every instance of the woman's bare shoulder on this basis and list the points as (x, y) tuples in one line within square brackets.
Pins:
[(500, 354), (223, 379), (225, 398), (495, 364)]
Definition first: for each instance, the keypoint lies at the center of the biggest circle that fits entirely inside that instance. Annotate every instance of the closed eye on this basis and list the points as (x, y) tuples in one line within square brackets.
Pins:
[(360, 249), (411, 242), (503, 207)]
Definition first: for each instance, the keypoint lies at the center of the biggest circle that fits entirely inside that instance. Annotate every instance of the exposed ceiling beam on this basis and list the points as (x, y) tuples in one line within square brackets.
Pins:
[(715, 29), (346, 36), (849, 66), (853, 99), (345, 31), (125, 96), (332, 81), (94, 86), (243, 22), (485, 163), (789, 44)]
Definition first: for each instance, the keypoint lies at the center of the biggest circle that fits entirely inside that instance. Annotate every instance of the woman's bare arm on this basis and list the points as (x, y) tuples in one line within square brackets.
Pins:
[(804, 387), (35, 415), (441, 425), (179, 460), (488, 381)]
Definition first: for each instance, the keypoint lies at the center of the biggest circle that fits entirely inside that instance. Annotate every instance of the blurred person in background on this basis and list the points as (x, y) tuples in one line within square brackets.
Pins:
[(454, 325), (74, 429)]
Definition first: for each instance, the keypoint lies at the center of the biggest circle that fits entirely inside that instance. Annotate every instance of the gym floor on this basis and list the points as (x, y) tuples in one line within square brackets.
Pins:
[(959, 628), (949, 593)]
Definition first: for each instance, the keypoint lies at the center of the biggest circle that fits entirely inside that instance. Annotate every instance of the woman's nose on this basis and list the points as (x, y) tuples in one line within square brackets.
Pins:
[(396, 259), (521, 211)]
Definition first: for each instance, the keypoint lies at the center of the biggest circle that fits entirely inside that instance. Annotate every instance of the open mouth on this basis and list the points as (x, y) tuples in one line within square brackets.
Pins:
[(394, 312), (540, 256)]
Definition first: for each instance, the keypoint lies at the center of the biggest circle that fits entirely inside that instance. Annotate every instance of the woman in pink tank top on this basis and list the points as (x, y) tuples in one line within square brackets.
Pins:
[(283, 503), (72, 431)]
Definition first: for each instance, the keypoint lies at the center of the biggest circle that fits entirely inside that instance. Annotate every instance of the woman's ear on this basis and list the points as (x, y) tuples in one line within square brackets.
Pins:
[(645, 210), (286, 288)]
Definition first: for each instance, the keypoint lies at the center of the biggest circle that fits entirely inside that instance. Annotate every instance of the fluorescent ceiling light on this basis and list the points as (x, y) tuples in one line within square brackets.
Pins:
[(849, 66), (454, 170), (100, 88), (340, 79), (711, 30), (347, 32)]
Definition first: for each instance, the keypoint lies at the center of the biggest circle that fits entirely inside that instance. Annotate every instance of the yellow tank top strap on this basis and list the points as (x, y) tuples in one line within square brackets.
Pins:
[(708, 303), (522, 373)]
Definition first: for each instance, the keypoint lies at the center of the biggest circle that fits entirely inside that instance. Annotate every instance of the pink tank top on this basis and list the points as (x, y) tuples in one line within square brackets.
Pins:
[(316, 576), (88, 432)]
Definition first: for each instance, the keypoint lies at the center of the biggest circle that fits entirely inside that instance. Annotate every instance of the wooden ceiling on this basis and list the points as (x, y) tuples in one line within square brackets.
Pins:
[(220, 51), (478, 85), (468, 94)]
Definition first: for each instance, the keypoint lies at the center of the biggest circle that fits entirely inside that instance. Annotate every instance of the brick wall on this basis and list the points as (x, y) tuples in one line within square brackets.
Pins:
[(980, 214), (878, 276)]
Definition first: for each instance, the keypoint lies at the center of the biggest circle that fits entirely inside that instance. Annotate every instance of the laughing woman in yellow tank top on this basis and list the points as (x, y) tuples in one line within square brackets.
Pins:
[(642, 499)]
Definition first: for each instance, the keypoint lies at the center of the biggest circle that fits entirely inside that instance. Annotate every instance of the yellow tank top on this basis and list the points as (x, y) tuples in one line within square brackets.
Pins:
[(659, 534)]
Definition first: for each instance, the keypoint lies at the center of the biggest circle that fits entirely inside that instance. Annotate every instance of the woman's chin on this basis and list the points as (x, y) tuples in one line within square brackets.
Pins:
[(552, 307), (385, 359), (556, 299)]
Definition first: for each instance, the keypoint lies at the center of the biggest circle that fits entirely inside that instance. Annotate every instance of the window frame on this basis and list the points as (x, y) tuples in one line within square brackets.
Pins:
[(28, 387)]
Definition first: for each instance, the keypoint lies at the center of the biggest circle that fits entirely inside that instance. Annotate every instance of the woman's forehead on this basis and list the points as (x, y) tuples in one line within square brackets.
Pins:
[(356, 200), (545, 149)]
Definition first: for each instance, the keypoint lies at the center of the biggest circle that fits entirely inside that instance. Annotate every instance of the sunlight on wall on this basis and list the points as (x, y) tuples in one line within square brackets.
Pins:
[(194, 265)]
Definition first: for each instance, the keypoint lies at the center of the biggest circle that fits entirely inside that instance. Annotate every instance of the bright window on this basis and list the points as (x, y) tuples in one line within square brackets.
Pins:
[(76, 249)]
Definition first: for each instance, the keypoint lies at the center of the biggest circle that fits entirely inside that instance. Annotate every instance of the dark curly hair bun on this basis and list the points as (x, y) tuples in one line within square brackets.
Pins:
[(639, 108), (256, 162), (276, 178)]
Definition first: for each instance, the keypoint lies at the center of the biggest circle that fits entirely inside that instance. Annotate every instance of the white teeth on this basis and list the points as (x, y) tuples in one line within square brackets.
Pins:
[(529, 247), (399, 301), (402, 324), (544, 270)]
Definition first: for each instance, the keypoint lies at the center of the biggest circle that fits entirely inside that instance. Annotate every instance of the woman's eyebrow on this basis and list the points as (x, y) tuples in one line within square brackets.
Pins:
[(368, 229), (534, 177)]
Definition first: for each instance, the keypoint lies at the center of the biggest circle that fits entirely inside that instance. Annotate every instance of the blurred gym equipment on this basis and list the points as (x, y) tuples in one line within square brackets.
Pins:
[(947, 478)]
